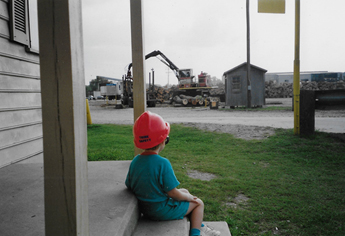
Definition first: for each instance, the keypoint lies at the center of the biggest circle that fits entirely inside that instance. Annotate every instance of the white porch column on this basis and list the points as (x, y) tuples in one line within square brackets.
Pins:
[(64, 117)]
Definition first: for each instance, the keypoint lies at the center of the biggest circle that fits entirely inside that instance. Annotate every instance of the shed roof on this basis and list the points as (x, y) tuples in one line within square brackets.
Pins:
[(244, 64)]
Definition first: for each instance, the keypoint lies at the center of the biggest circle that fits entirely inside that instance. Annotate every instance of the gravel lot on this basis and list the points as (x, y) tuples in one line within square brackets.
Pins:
[(243, 124)]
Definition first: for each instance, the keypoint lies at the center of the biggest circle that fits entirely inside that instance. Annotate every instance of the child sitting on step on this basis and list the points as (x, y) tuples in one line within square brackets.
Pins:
[(152, 179)]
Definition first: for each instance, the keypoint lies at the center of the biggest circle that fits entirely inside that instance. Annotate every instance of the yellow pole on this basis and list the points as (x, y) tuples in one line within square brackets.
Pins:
[(88, 114), (296, 75)]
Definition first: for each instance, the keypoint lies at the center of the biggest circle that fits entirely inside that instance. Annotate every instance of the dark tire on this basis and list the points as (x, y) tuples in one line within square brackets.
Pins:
[(151, 104), (130, 103)]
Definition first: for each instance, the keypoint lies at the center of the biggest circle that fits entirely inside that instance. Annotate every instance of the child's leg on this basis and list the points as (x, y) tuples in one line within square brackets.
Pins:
[(196, 211)]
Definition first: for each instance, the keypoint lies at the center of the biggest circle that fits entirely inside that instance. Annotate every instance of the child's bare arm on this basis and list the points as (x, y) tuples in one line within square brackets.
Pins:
[(178, 195)]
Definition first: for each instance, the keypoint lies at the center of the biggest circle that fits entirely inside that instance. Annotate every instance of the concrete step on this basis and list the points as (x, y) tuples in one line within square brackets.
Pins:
[(113, 208), (147, 227)]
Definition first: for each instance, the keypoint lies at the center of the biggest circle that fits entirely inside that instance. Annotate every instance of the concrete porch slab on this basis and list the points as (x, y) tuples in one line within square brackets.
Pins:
[(21, 202), (221, 226), (112, 209)]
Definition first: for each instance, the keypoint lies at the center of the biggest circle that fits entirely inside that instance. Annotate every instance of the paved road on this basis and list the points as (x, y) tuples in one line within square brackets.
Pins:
[(326, 121)]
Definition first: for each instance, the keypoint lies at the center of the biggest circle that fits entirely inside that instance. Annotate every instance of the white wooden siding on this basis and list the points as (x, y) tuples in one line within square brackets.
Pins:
[(20, 98)]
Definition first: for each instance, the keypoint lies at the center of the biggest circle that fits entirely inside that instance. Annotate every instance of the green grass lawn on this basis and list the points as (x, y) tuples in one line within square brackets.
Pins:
[(295, 186)]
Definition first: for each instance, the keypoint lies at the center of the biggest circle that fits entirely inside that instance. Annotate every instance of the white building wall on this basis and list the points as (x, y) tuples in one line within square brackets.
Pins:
[(20, 96)]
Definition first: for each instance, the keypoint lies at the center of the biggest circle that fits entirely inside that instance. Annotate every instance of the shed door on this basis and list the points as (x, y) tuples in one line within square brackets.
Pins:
[(236, 84), (235, 92)]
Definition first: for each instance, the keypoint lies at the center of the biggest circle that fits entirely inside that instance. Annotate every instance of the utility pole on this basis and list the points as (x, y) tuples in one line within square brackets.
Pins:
[(249, 95), (153, 80), (168, 72)]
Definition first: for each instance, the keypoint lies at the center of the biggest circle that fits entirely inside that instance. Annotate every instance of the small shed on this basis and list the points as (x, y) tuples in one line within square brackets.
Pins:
[(236, 86)]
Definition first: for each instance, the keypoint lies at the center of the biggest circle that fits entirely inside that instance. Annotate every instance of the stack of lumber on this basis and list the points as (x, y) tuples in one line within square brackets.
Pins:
[(284, 90), (167, 94), (162, 94), (190, 101), (273, 90), (218, 91), (323, 85)]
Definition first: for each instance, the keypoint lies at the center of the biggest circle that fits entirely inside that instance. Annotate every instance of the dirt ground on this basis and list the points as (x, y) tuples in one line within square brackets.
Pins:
[(246, 132), (242, 124)]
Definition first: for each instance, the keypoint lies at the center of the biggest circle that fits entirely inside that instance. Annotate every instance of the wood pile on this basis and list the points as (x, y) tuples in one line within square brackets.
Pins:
[(163, 94), (170, 94), (272, 90), (285, 90), (191, 101), (325, 85), (218, 91)]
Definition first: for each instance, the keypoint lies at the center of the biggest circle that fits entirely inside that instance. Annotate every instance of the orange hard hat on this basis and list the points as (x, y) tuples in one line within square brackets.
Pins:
[(150, 130)]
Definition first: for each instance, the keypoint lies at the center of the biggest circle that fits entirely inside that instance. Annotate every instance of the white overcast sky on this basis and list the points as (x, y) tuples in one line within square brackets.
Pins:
[(210, 36)]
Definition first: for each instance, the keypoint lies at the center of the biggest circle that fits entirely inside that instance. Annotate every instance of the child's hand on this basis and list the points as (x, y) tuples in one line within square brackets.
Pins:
[(193, 199), (183, 195)]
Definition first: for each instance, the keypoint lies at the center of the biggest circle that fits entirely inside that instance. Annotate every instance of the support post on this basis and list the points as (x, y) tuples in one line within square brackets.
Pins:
[(137, 34), (307, 112), (64, 120), (153, 80), (249, 89), (296, 75)]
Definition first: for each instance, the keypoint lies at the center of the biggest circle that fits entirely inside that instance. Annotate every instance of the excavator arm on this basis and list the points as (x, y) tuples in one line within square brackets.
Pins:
[(163, 59)]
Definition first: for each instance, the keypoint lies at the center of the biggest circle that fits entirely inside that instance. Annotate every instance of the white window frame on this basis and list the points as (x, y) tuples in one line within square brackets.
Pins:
[(24, 24)]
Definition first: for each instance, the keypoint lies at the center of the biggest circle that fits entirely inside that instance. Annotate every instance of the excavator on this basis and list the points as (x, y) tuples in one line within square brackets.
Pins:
[(186, 83)]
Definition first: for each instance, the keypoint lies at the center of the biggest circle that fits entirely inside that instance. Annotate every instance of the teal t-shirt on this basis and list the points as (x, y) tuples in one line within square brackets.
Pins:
[(150, 177)]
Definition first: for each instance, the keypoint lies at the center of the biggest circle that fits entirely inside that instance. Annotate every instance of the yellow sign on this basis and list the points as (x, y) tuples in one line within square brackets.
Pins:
[(271, 6)]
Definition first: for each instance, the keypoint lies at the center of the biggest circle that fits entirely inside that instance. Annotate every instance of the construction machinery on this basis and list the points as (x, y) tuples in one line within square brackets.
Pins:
[(188, 84), (112, 91)]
